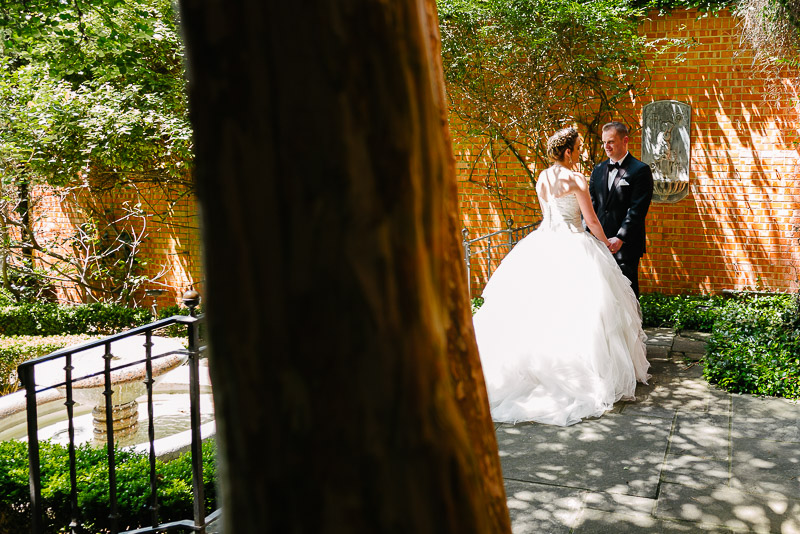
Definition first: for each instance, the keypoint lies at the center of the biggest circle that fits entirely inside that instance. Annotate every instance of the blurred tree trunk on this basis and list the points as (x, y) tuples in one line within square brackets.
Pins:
[(346, 379)]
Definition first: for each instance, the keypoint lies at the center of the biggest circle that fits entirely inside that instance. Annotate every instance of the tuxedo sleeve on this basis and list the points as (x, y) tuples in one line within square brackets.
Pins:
[(642, 194)]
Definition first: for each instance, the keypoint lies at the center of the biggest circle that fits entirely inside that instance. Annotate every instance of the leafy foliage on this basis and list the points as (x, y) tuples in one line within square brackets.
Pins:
[(755, 347), (35, 329), (681, 312), (92, 99), (95, 87), (48, 319), (476, 304), (772, 30), (174, 486), (518, 70), (704, 6), (17, 349)]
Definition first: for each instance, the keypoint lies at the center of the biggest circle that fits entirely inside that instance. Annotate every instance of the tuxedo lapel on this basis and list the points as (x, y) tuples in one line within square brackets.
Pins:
[(611, 193), (621, 173), (605, 194)]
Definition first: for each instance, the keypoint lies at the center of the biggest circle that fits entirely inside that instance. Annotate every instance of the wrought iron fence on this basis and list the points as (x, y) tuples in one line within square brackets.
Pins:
[(193, 352), (492, 245)]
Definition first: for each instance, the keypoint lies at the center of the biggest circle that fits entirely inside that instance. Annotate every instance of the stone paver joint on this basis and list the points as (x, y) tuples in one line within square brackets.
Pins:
[(683, 457)]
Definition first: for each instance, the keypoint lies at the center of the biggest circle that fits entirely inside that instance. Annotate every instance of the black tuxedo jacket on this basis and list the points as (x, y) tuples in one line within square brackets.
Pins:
[(622, 209)]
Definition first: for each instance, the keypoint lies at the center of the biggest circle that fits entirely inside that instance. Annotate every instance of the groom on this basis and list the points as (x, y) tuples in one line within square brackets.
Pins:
[(621, 189)]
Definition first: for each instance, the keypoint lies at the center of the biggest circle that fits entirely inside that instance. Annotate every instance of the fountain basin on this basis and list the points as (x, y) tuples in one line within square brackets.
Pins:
[(127, 375), (170, 399)]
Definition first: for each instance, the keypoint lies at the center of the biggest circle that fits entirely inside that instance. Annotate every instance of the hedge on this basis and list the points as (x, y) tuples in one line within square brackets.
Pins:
[(755, 347), (17, 349), (175, 497), (49, 319)]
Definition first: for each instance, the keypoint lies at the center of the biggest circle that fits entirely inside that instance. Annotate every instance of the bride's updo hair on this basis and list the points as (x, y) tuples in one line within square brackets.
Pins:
[(560, 142)]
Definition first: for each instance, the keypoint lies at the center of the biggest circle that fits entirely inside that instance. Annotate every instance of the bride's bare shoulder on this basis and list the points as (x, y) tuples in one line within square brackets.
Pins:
[(579, 180), (570, 182), (547, 172)]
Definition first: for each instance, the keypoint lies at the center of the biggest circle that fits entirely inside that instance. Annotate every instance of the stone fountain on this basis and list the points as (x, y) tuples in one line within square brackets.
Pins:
[(127, 379), (170, 390)]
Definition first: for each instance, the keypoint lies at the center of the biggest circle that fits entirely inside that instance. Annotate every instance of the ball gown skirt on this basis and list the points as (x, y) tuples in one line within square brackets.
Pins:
[(559, 333)]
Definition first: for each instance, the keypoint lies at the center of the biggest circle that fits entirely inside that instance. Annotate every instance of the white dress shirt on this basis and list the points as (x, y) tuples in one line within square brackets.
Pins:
[(613, 172)]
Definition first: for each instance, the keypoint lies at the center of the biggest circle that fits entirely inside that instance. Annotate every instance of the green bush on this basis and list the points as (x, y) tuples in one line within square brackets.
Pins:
[(175, 330), (17, 349), (31, 330), (755, 347), (681, 312), (477, 302), (133, 487), (6, 298), (657, 310), (49, 319)]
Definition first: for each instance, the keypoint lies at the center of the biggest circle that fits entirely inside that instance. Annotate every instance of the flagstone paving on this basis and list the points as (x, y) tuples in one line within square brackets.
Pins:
[(683, 457)]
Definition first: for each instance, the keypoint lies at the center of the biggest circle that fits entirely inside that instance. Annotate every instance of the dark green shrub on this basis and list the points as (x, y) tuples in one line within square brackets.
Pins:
[(697, 312), (755, 347), (49, 319), (133, 487), (6, 298), (176, 330), (477, 302), (681, 312), (657, 310), (17, 349)]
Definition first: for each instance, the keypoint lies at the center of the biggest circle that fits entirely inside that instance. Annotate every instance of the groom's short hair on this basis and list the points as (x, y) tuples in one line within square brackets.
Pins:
[(620, 128)]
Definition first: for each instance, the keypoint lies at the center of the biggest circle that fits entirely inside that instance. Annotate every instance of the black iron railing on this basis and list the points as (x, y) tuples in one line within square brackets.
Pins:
[(27, 374), (493, 246)]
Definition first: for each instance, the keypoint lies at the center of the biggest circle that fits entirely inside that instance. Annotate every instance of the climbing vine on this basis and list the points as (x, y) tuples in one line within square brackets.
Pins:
[(518, 70), (92, 100)]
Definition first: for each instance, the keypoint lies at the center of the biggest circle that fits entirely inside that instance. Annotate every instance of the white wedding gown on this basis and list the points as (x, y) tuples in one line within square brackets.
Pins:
[(560, 330)]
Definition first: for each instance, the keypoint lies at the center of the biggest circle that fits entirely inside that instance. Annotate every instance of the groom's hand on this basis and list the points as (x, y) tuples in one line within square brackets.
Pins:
[(614, 244)]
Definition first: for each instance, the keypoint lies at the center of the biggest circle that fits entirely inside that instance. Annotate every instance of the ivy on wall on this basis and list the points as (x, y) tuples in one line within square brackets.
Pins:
[(705, 6), (92, 100)]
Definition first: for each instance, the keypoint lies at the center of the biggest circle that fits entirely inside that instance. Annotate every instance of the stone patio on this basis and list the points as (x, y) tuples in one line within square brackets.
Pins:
[(683, 457)]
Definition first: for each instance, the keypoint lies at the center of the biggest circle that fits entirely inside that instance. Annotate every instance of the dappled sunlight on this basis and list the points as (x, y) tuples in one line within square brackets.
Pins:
[(696, 472), (540, 508), (732, 509), (766, 467), (739, 226), (704, 435), (612, 454), (683, 457)]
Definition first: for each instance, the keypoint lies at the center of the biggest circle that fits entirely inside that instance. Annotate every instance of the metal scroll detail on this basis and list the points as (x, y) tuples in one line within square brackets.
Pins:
[(666, 147)]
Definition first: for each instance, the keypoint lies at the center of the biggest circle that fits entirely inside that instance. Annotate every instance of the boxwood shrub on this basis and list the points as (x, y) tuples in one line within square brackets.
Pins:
[(50, 319), (755, 347), (17, 349), (175, 497), (35, 329), (681, 312)]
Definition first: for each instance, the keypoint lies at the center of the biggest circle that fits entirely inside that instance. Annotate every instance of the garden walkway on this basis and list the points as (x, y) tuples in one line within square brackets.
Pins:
[(684, 457)]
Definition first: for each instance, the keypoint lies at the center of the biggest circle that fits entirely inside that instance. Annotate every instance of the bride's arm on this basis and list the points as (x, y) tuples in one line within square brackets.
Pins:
[(589, 216)]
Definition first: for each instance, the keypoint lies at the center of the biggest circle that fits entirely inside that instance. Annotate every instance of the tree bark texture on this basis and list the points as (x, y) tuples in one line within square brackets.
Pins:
[(465, 365), (347, 384)]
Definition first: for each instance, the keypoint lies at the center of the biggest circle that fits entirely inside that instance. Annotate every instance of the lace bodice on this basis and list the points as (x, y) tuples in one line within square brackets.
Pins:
[(562, 213)]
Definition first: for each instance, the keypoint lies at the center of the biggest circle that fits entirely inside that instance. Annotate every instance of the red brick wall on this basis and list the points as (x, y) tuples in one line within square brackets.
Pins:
[(171, 244), (739, 227)]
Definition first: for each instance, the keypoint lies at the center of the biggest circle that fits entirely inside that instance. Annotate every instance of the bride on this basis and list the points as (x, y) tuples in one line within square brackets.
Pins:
[(560, 331)]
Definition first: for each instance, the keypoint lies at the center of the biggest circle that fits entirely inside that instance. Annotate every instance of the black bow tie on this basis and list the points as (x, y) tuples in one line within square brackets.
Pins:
[(616, 165)]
